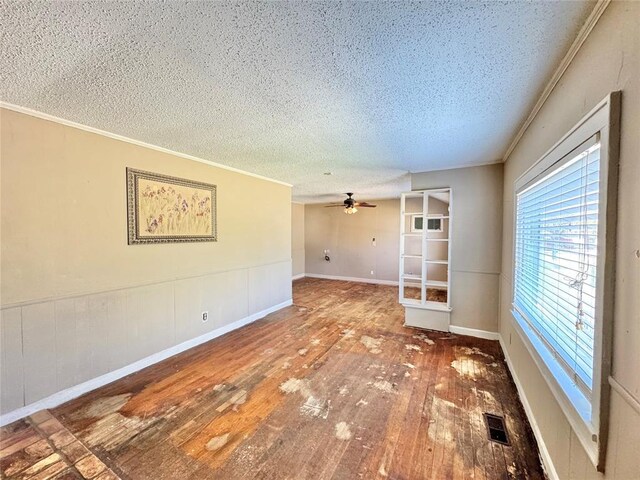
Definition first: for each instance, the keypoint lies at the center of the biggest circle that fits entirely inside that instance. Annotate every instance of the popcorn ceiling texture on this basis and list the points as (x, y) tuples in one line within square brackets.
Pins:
[(289, 90)]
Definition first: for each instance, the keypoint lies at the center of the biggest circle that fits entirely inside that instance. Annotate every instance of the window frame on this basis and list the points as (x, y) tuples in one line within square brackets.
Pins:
[(425, 222), (415, 217), (603, 120), (439, 217)]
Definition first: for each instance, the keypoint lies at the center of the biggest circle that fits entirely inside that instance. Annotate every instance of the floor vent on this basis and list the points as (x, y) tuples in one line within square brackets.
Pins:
[(496, 429)]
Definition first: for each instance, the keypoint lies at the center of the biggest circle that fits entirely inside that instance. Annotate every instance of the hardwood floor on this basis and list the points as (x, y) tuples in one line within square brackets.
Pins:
[(333, 387)]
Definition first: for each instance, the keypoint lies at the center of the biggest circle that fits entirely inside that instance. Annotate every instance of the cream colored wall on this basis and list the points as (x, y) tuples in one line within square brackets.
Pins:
[(297, 239), (476, 237), (77, 301), (349, 239), (608, 61)]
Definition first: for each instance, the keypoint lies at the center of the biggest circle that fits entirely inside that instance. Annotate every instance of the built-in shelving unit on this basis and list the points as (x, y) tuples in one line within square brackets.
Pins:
[(425, 255)]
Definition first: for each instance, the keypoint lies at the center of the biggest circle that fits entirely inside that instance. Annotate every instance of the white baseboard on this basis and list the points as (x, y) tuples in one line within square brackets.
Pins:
[(298, 277), (547, 463), (472, 332), (352, 279), (63, 396)]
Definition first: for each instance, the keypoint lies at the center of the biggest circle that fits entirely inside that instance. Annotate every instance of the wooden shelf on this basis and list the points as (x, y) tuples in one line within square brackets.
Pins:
[(432, 245), (412, 277), (409, 302)]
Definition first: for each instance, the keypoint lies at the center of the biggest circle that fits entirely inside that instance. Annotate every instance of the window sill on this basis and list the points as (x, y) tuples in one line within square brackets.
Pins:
[(574, 405)]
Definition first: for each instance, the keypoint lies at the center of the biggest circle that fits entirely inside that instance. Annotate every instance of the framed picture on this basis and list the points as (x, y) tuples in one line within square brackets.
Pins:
[(163, 209)]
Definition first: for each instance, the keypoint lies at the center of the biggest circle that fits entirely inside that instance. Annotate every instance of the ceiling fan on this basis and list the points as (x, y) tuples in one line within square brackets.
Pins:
[(350, 205)]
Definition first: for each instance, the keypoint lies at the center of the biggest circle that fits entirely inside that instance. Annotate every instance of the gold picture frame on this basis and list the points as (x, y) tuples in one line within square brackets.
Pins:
[(164, 209)]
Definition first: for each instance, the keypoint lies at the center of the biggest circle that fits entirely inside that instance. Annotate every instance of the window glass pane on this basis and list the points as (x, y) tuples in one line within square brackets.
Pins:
[(555, 262)]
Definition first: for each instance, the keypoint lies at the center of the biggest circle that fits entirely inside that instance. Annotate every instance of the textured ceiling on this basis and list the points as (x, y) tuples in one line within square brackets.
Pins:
[(290, 90)]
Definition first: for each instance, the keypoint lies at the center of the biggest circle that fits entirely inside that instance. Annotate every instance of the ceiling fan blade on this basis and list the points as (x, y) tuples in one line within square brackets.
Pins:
[(341, 205), (365, 204)]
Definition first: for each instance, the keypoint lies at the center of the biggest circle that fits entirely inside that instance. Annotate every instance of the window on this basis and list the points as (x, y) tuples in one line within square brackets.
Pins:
[(417, 223), (556, 259), (563, 270), (433, 224)]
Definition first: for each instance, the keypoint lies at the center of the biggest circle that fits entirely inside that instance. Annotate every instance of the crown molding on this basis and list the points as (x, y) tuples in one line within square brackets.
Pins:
[(115, 136), (584, 32), (458, 167)]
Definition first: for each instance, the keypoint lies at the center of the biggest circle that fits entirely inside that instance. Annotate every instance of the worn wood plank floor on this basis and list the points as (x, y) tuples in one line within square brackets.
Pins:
[(333, 387)]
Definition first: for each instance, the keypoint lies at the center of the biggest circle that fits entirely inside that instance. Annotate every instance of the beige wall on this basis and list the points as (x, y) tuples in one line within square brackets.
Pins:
[(77, 301), (297, 239), (609, 60), (349, 239), (476, 239)]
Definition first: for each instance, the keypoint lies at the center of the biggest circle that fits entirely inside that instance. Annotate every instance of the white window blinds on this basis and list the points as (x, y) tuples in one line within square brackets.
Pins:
[(556, 258)]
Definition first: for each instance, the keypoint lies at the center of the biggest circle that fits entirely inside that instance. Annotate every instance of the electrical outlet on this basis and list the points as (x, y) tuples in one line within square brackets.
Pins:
[(371, 272), (205, 317), (373, 241)]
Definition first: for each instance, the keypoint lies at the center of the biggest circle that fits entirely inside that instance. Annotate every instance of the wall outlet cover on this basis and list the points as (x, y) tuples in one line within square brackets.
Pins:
[(205, 316)]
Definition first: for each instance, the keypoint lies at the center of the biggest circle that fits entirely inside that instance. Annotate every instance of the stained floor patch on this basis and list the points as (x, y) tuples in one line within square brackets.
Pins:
[(473, 351), (423, 338), (468, 367), (103, 406), (348, 333), (384, 386), (294, 385), (216, 443), (343, 432), (316, 407), (371, 344)]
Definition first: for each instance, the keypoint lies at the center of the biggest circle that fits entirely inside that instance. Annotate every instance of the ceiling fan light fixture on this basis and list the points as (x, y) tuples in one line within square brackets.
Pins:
[(350, 205)]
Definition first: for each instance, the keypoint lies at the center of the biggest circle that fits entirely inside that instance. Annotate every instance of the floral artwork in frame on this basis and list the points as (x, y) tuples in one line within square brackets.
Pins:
[(163, 209)]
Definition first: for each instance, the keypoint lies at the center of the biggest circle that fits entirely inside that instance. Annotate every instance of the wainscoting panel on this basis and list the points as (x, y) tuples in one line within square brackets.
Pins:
[(264, 285), (39, 352), (224, 296), (11, 364), (51, 346)]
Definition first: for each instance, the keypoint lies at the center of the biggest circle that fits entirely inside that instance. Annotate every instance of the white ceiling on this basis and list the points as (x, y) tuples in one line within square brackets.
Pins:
[(290, 90)]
